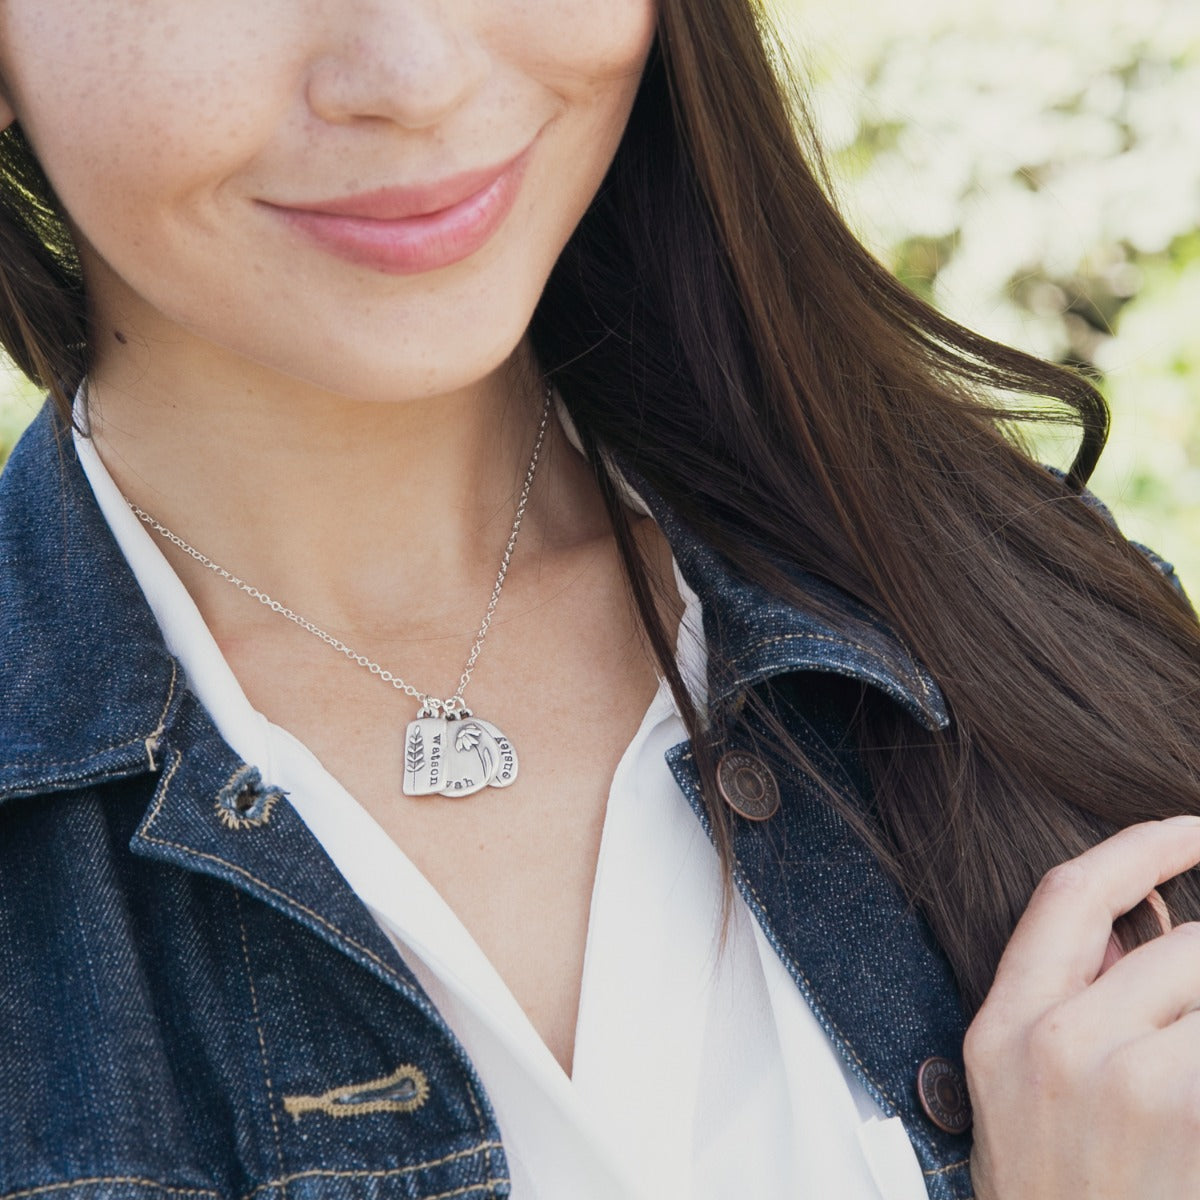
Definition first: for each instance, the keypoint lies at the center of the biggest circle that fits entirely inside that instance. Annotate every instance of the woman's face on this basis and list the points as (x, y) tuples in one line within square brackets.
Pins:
[(366, 195)]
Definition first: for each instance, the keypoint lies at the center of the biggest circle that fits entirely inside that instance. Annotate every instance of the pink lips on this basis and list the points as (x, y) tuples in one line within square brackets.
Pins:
[(406, 230)]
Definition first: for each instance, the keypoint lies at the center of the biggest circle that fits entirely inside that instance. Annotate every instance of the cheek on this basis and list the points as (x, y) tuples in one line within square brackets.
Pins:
[(589, 56), (580, 48), (612, 39), (129, 111)]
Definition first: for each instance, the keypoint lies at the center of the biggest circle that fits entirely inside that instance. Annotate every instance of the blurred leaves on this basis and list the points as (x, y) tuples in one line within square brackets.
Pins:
[(19, 401), (1033, 169)]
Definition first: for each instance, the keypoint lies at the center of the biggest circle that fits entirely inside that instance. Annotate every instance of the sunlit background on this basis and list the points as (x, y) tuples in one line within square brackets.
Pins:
[(1033, 168)]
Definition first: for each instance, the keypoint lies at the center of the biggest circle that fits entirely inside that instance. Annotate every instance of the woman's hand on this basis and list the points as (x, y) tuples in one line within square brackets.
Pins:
[(1086, 1080)]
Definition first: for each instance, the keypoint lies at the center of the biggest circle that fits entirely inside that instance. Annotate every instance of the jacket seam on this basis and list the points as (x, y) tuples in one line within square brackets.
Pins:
[(274, 891), (874, 655), (71, 762), (791, 962), (151, 739), (94, 1180), (282, 1181), (845, 1041), (475, 1106), (824, 1016), (318, 1173), (832, 1024), (262, 1044), (954, 1166), (146, 742), (177, 758)]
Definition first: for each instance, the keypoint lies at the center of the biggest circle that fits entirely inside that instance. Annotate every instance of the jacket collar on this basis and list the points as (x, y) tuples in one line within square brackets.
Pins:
[(761, 636), (87, 682), (90, 689)]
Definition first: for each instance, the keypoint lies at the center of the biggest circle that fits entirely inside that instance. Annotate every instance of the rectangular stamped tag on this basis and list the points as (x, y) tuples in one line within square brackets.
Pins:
[(424, 753)]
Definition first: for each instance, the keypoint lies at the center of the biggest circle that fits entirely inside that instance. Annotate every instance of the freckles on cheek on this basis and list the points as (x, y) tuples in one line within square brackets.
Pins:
[(141, 158), (103, 173)]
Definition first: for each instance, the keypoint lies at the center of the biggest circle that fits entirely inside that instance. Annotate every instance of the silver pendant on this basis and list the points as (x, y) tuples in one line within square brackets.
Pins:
[(456, 756), (505, 771)]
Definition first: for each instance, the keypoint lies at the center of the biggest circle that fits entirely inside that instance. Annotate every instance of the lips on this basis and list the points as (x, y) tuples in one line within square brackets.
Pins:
[(408, 230)]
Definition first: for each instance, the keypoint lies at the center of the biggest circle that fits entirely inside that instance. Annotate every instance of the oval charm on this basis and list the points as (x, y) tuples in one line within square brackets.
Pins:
[(470, 756), (456, 756), (505, 771)]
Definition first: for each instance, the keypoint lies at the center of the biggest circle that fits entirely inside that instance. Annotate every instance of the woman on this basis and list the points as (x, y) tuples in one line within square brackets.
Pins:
[(400, 316)]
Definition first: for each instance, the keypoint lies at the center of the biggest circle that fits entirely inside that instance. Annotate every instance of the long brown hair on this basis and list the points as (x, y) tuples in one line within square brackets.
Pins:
[(714, 323)]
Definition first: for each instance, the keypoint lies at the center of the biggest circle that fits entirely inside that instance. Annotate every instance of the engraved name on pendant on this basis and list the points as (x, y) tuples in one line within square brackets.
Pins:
[(505, 771), (470, 757), (455, 757)]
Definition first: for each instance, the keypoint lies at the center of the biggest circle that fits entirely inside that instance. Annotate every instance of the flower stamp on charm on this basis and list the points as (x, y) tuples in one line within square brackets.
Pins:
[(456, 756)]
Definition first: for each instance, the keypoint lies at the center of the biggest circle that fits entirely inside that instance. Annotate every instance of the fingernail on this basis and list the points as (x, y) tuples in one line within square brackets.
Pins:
[(1185, 819)]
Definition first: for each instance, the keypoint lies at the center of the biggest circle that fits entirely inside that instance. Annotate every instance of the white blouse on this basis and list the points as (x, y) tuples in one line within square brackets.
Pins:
[(694, 1075)]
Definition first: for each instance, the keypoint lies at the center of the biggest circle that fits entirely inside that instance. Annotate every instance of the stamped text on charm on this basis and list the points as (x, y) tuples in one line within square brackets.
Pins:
[(456, 756)]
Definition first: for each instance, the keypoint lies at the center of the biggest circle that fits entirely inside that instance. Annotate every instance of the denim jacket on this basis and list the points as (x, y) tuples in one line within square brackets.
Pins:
[(194, 1004)]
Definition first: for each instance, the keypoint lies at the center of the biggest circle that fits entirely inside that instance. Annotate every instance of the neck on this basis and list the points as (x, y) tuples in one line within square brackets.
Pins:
[(371, 514)]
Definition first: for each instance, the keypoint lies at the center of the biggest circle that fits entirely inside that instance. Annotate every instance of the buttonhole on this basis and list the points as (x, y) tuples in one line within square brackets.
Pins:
[(245, 802)]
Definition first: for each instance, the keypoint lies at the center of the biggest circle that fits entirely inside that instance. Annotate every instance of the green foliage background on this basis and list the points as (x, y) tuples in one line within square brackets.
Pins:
[(1033, 169)]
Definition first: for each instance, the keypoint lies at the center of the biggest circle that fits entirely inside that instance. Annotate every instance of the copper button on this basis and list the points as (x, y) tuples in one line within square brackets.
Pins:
[(943, 1094), (747, 785)]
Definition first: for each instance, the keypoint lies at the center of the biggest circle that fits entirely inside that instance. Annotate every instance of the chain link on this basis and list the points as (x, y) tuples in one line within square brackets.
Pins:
[(454, 706)]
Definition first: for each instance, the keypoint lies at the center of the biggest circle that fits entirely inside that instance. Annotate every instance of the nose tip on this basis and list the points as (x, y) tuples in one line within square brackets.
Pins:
[(413, 66)]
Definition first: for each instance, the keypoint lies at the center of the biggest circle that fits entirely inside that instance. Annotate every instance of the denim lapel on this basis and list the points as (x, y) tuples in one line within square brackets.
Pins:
[(93, 696)]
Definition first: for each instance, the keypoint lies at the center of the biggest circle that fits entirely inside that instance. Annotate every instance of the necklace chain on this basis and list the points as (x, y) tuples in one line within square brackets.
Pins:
[(452, 707)]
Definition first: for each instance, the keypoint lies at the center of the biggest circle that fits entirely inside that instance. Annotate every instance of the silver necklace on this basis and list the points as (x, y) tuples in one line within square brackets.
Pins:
[(448, 750)]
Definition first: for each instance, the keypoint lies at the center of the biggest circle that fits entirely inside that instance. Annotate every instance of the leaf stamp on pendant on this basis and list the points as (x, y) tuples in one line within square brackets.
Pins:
[(425, 755)]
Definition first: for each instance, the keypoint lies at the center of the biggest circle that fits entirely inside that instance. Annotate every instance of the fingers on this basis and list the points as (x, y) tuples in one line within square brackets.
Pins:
[(1088, 1084), (1162, 1069), (1149, 988), (1115, 951), (1058, 946)]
